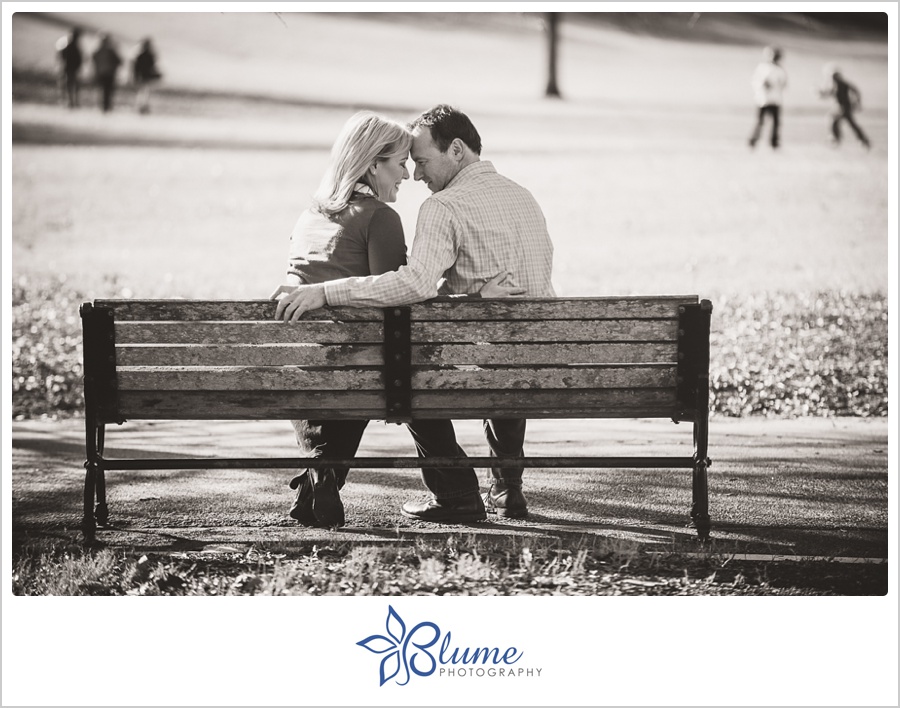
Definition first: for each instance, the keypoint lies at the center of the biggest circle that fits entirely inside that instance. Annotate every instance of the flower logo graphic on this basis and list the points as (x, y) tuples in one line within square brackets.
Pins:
[(404, 653)]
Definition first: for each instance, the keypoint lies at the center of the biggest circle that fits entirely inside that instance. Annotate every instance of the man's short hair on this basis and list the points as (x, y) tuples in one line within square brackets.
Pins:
[(446, 125)]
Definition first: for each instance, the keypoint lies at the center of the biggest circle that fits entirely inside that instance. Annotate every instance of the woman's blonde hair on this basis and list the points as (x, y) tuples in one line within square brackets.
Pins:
[(364, 139)]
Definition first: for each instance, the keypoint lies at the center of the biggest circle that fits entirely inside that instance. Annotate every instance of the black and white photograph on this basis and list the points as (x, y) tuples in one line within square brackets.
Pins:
[(437, 353)]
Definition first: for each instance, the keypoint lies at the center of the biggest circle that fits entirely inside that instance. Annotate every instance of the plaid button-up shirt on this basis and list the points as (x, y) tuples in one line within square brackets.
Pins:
[(480, 224)]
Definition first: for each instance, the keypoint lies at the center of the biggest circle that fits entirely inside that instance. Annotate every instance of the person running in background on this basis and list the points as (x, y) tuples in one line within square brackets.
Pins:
[(106, 64), (68, 52), (145, 73), (768, 81), (848, 100)]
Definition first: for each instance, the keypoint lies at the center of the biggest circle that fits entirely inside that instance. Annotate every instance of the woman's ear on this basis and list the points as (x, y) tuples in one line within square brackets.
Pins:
[(373, 168)]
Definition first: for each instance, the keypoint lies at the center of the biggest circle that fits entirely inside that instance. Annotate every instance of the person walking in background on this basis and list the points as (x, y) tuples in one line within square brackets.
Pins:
[(68, 51), (106, 65), (145, 74), (768, 81), (848, 100), (475, 223)]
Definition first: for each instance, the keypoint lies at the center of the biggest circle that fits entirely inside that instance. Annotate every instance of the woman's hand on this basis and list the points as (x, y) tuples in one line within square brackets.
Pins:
[(295, 300), (282, 290), (493, 287)]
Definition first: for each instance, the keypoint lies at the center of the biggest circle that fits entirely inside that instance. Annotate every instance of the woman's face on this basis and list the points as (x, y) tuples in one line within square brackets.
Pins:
[(387, 176)]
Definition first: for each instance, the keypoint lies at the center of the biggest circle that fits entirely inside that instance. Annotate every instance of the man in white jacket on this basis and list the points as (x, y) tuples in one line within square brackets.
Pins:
[(768, 81)]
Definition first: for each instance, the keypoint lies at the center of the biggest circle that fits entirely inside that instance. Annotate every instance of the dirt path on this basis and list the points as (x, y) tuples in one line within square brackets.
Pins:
[(788, 487)]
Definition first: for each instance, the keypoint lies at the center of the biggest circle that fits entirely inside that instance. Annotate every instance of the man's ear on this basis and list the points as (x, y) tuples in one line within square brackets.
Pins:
[(457, 149)]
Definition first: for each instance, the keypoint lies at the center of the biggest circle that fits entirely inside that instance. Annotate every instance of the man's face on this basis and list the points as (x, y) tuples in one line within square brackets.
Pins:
[(433, 167)]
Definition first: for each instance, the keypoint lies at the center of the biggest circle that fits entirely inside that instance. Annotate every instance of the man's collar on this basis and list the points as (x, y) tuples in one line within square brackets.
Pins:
[(476, 168)]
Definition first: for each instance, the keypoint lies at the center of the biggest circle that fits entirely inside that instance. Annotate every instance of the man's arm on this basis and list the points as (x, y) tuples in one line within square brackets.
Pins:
[(434, 250)]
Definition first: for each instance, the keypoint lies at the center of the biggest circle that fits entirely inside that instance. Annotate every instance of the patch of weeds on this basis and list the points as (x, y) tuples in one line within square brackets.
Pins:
[(46, 352), (798, 354), (457, 565)]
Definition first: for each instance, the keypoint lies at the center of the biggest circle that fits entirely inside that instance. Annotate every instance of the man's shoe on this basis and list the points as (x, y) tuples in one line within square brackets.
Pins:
[(449, 511), (506, 501)]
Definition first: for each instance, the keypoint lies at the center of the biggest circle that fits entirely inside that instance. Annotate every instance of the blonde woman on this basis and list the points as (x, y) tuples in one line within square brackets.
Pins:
[(349, 230)]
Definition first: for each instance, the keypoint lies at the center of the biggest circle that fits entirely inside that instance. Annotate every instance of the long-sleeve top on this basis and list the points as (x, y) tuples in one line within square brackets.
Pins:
[(769, 81), (363, 239), (480, 224)]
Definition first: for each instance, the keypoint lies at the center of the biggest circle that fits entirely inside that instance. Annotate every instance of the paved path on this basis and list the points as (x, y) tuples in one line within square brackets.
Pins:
[(787, 487)]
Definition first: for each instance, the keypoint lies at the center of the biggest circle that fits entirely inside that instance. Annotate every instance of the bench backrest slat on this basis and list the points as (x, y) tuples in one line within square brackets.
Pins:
[(355, 405), (651, 307), (296, 378), (217, 333), (371, 354), (423, 332)]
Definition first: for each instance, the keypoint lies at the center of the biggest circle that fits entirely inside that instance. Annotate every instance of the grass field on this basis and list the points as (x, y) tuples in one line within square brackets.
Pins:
[(645, 176)]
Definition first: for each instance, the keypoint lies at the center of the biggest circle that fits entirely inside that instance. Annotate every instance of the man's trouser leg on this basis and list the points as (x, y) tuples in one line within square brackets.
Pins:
[(856, 129), (757, 129), (776, 125), (506, 438), (437, 438), (836, 119)]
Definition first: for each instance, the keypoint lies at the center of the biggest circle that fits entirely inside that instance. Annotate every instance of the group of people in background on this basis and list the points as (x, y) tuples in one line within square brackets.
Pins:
[(105, 60), (769, 81)]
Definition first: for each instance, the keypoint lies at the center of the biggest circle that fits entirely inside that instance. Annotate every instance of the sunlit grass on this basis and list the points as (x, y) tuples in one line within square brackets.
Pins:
[(459, 565)]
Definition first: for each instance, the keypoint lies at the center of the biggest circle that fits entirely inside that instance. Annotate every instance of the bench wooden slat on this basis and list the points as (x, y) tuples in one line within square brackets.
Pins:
[(226, 310), (294, 378), (544, 332), (508, 309), (436, 310), (352, 405), (423, 333), (371, 355), (248, 333), (564, 353), (253, 355)]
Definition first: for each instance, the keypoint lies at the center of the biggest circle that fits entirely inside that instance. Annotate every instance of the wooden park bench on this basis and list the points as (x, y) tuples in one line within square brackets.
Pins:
[(624, 357)]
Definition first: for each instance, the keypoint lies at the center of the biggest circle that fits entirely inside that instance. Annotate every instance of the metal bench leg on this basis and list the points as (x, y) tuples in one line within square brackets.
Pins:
[(700, 488), (700, 505), (88, 526), (94, 481), (101, 511)]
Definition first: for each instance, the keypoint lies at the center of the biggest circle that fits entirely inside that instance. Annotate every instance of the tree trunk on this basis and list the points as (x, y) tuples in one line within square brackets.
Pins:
[(551, 23)]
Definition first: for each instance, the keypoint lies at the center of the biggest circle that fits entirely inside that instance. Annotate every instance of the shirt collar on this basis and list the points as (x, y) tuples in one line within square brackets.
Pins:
[(363, 188), (469, 171)]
